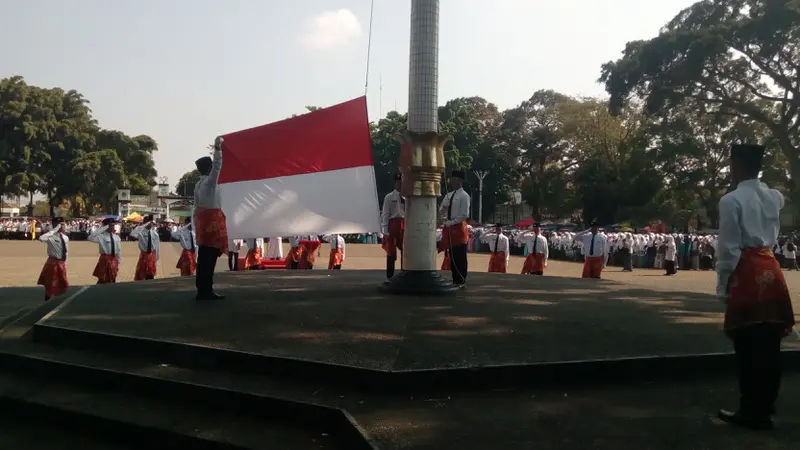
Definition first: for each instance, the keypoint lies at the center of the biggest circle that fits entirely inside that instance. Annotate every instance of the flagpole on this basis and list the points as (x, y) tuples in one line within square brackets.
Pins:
[(369, 46)]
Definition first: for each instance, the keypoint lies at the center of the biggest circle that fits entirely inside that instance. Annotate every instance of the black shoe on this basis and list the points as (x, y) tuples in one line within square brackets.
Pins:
[(211, 296), (745, 420)]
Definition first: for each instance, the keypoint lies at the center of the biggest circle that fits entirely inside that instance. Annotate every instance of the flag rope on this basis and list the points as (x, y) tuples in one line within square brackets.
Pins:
[(369, 46)]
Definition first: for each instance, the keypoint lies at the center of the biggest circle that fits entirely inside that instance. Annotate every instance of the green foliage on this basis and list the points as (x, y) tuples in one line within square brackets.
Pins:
[(186, 184), (50, 143)]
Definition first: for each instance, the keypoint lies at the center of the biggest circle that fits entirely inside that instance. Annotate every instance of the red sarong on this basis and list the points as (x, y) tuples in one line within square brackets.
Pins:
[(307, 257), (336, 258), (145, 267), (497, 262), (757, 292), (454, 235), (253, 258), (593, 266), (187, 263), (106, 269), (534, 263), (446, 261), (394, 241), (54, 277), (211, 229), (293, 256)]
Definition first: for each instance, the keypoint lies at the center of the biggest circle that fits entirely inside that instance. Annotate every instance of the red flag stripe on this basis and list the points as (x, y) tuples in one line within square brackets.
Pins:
[(332, 138)]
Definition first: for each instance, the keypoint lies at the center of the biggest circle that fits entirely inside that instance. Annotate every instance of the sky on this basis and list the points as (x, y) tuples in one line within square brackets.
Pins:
[(185, 71)]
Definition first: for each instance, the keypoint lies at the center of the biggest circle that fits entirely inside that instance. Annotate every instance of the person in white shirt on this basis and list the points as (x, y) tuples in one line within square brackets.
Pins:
[(337, 251), (234, 246), (54, 273), (455, 237), (209, 223), (393, 220), (499, 249), (187, 262), (149, 244), (538, 252), (670, 256), (790, 255), (750, 282), (275, 248), (595, 250), (107, 238)]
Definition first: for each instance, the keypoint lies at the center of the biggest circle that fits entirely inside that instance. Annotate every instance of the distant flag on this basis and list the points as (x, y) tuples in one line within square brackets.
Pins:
[(309, 174)]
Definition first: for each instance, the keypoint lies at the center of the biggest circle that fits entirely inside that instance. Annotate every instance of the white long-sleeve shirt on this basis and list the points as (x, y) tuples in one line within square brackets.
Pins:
[(186, 237), (294, 241), (541, 245), (497, 243), (672, 249), (749, 217), (600, 247), (394, 206), (206, 194), (336, 241), (57, 243), (141, 233), (109, 242), (460, 210)]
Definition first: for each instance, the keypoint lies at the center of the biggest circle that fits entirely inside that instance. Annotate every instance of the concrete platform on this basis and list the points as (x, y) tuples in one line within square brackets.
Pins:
[(502, 329)]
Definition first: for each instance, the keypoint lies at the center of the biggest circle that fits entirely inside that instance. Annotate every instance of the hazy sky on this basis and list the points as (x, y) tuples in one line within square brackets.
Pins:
[(184, 71)]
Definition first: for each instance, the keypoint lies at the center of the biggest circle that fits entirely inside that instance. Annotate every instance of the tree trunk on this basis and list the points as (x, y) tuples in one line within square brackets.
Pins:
[(792, 154)]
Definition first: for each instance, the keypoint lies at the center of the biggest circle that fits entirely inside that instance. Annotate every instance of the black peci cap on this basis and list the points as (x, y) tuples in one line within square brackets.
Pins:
[(458, 174), (398, 177), (204, 164)]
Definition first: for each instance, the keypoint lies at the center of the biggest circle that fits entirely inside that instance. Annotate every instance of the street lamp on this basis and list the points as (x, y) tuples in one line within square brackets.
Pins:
[(481, 174)]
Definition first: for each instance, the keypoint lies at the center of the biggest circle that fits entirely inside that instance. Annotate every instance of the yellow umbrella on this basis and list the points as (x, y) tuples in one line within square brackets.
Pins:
[(134, 217)]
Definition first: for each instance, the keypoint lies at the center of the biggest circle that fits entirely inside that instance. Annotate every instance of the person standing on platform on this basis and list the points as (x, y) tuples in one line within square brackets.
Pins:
[(498, 248), (337, 251), (275, 248), (751, 284), (107, 266), (234, 246), (54, 273), (293, 257), (538, 252), (595, 249), (187, 262), (149, 244), (455, 236), (670, 256), (209, 223), (393, 221)]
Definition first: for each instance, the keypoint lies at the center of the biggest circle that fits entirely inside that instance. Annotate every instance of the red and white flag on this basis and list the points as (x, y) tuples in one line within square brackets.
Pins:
[(310, 174)]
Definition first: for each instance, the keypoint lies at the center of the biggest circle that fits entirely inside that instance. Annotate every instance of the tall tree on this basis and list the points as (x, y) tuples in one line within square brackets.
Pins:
[(386, 149), (136, 154), (735, 57), (14, 151), (186, 184), (102, 173)]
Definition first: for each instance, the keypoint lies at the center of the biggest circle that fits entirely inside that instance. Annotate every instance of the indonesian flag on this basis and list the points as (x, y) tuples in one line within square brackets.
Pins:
[(310, 174)]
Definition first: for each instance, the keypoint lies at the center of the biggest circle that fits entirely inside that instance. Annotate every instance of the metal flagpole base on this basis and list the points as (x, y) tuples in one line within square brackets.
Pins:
[(418, 282)]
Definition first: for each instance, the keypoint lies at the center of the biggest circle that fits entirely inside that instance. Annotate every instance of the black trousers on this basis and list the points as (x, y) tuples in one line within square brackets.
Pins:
[(669, 266), (458, 263), (206, 263), (233, 261), (758, 349), (294, 265), (389, 267)]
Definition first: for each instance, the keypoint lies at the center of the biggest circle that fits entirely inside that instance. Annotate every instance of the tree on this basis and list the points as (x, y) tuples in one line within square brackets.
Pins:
[(136, 154), (185, 186), (102, 172), (386, 150), (739, 58), (14, 151)]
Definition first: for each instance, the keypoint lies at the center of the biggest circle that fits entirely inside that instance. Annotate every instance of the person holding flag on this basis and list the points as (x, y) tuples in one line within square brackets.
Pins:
[(209, 223), (393, 220)]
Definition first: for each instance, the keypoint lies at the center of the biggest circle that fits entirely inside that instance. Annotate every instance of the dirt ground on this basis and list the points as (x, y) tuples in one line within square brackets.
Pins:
[(21, 261)]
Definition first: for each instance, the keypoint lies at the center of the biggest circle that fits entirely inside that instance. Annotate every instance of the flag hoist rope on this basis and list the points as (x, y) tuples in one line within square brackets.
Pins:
[(369, 45)]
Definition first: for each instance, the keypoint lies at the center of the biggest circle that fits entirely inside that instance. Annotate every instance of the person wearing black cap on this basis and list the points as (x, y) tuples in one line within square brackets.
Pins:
[(149, 246), (209, 223), (455, 208), (187, 262), (751, 284), (54, 273), (538, 252), (107, 266), (393, 220), (498, 248), (595, 251)]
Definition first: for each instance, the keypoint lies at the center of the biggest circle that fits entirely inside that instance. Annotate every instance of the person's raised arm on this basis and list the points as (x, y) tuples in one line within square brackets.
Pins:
[(136, 232), (44, 237), (216, 166), (95, 235)]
